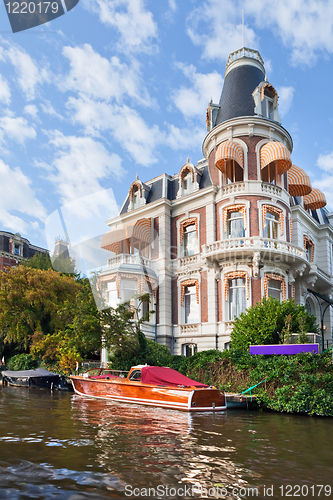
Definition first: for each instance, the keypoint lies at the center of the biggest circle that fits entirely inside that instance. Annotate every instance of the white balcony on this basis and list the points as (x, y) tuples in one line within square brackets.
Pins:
[(129, 259), (269, 249), (255, 188)]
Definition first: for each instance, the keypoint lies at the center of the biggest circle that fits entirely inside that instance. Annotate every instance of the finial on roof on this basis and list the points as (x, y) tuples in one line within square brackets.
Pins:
[(137, 177), (188, 160), (265, 77), (211, 100)]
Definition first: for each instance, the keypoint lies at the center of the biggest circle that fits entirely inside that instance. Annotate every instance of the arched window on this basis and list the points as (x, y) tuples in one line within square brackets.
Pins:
[(234, 221), (189, 349), (269, 173), (190, 301), (229, 159), (236, 298), (189, 237), (236, 289), (275, 287), (273, 222), (192, 312), (309, 248)]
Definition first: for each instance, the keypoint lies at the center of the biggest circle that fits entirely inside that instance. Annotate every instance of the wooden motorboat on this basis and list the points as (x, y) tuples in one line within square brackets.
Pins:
[(149, 385), (34, 378)]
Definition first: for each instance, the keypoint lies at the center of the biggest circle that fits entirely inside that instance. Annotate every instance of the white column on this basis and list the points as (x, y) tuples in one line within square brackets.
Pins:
[(164, 277), (210, 222)]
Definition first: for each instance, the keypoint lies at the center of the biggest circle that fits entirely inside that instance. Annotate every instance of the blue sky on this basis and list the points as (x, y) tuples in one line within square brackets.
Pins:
[(116, 88)]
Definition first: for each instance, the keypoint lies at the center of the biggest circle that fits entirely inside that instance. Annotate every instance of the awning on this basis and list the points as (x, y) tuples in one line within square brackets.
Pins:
[(139, 229), (229, 150), (298, 181), (275, 151), (316, 199)]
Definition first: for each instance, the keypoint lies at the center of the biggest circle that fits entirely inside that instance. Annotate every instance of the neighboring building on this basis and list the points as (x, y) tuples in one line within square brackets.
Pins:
[(215, 238), (14, 248)]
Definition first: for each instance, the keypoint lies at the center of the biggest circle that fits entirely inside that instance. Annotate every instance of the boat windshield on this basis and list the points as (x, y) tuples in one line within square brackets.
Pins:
[(135, 375)]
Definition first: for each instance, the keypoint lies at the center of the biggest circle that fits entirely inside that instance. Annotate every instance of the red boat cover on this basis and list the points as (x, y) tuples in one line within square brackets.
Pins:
[(158, 375)]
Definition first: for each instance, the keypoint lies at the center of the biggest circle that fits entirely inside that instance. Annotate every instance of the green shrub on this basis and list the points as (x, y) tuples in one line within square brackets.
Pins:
[(22, 362), (271, 322)]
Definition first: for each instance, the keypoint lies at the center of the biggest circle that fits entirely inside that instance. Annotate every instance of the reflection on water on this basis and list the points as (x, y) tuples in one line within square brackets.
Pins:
[(63, 446)]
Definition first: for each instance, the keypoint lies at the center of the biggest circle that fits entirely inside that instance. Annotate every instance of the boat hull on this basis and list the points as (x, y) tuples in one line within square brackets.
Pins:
[(176, 398)]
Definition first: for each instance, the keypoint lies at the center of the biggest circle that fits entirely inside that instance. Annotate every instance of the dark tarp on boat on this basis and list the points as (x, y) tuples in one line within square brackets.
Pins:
[(33, 378), (158, 375)]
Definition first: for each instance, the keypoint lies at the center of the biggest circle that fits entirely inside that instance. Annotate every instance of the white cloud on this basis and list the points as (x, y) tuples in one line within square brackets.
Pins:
[(325, 184), (4, 91), (100, 78), (125, 124), (16, 130), (17, 195), (31, 109), (29, 74), (193, 101), (303, 26), (79, 164), (49, 110), (134, 23), (286, 95), (217, 27), (325, 162), (173, 5), (184, 139)]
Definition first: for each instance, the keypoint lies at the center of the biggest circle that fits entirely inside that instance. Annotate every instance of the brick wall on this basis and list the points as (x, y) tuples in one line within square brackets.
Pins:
[(256, 290)]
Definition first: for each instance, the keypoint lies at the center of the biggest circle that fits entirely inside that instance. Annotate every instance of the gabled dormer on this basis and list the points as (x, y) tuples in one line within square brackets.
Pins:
[(266, 101), (138, 194), (189, 179)]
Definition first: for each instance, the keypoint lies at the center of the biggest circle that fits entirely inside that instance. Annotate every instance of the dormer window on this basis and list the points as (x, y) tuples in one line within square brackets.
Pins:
[(266, 101), (138, 194), (267, 105), (189, 177), (135, 197), (187, 183)]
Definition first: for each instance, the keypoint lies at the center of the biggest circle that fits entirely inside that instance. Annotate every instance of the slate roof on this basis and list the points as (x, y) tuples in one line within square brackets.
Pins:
[(236, 98)]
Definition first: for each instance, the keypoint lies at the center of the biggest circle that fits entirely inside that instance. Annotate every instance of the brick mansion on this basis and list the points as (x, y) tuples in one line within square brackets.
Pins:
[(242, 224)]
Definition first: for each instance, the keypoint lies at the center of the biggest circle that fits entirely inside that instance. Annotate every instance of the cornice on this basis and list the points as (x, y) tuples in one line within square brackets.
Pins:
[(246, 126)]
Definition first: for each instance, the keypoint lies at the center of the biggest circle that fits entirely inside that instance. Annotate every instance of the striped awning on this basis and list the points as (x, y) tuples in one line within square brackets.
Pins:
[(140, 229), (275, 151), (316, 199), (298, 181), (229, 150)]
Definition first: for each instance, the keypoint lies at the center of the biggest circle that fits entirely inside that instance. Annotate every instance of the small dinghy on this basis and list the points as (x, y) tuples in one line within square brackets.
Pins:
[(34, 378)]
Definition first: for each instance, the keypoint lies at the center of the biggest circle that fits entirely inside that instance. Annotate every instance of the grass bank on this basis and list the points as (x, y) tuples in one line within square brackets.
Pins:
[(298, 384)]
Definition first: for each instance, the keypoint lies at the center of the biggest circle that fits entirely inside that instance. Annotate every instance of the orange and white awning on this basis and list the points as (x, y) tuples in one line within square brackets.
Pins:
[(229, 150), (316, 199), (140, 229), (275, 151), (298, 181)]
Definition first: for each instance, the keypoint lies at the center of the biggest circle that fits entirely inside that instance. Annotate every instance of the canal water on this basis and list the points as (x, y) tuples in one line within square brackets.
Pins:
[(62, 446)]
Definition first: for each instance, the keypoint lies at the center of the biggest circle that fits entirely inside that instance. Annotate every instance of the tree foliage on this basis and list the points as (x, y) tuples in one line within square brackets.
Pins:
[(51, 315), (123, 336), (271, 322)]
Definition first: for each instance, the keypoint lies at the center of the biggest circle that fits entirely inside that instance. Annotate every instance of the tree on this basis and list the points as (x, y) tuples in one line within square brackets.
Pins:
[(62, 263), (270, 322), (51, 315), (123, 336), (38, 261)]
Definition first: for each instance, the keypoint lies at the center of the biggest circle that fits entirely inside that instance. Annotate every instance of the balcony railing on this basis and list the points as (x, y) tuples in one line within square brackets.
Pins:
[(254, 243), (132, 259), (190, 329)]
